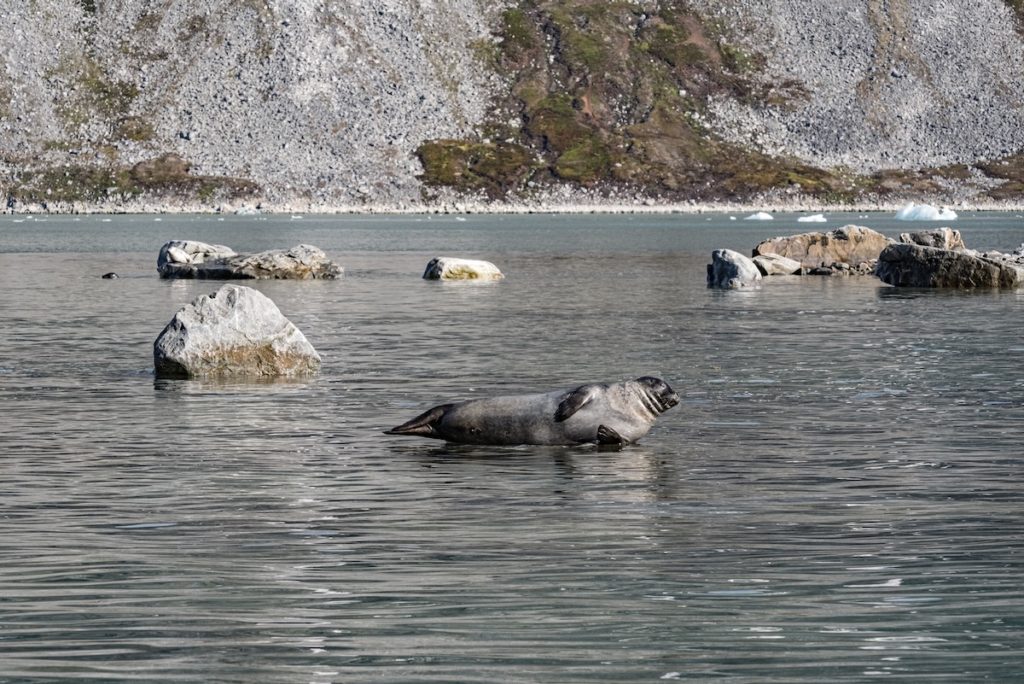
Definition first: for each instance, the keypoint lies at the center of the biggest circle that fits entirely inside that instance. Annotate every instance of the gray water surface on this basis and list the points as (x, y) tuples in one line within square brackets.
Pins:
[(838, 497)]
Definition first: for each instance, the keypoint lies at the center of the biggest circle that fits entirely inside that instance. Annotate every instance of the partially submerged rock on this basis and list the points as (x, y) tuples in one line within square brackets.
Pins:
[(775, 264), (731, 270), (179, 258), (915, 265), (451, 268), (191, 259), (943, 238), (236, 331), (851, 245)]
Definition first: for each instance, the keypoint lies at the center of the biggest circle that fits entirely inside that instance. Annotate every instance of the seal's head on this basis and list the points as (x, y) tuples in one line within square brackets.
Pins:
[(659, 393)]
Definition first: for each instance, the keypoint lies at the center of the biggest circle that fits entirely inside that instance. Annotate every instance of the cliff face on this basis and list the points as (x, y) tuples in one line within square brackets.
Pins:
[(289, 99), (397, 102)]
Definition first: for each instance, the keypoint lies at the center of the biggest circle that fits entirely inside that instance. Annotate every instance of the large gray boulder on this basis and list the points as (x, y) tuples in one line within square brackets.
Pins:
[(191, 259), (913, 265), (943, 238), (731, 270), (236, 331), (853, 245)]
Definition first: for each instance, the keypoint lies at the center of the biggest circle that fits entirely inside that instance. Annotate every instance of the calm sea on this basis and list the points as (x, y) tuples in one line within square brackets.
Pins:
[(839, 496)]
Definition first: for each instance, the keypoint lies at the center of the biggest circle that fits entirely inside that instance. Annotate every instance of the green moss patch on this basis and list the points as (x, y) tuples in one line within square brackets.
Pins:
[(610, 95), (613, 96), (498, 169), (164, 177), (1010, 170)]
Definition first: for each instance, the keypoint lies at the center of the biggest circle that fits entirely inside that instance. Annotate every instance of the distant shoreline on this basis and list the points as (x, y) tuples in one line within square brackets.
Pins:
[(471, 207)]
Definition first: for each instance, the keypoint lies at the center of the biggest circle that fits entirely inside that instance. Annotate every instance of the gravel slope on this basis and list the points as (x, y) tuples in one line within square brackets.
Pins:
[(325, 101), (891, 83), (318, 100)]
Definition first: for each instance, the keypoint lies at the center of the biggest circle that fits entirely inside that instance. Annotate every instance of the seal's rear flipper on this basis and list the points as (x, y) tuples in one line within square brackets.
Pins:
[(423, 425), (609, 437)]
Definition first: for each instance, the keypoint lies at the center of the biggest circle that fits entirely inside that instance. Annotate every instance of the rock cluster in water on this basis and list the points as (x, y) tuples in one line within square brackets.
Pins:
[(236, 331), (928, 258), (191, 259)]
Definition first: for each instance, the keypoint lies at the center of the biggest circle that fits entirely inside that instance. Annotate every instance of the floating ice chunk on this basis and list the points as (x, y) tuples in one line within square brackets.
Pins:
[(925, 212), (760, 216), (813, 218)]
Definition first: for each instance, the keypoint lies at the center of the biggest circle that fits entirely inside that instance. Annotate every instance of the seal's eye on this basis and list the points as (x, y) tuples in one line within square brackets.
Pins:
[(656, 384)]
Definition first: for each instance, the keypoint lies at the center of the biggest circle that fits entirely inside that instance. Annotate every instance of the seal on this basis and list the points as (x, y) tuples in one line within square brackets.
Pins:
[(611, 414)]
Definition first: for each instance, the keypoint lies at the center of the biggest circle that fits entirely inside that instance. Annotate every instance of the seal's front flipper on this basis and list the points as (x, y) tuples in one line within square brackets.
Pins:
[(608, 437), (573, 402), (423, 425)]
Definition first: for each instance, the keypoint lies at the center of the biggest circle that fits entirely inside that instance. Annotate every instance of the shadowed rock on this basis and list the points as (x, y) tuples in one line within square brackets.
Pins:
[(731, 270), (236, 331), (912, 265), (191, 259)]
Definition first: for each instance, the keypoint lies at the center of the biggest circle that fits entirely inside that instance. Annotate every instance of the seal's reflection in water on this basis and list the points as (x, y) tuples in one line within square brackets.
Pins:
[(633, 473)]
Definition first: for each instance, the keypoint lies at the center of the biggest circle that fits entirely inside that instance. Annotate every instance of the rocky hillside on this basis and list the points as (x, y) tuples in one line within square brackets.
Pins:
[(399, 103)]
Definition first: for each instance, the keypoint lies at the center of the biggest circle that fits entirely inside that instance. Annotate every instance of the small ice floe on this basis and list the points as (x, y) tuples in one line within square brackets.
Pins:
[(760, 216), (732, 218), (813, 218), (925, 212), (460, 218), (297, 217)]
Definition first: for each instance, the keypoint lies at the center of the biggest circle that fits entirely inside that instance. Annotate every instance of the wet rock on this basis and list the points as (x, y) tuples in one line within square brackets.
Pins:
[(912, 265), (450, 268), (177, 257), (943, 238), (190, 259), (849, 244), (236, 331), (776, 264), (731, 270)]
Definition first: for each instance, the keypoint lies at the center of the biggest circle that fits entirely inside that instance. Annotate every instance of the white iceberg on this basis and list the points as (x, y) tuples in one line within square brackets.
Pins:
[(925, 212), (760, 216), (813, 218)]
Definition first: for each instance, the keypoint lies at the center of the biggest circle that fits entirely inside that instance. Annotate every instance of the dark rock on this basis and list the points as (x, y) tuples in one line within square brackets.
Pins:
[(731, 270), (911, 265)]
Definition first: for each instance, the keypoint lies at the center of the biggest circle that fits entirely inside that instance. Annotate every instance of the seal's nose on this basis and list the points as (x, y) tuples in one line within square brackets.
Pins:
[(670, 400)]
